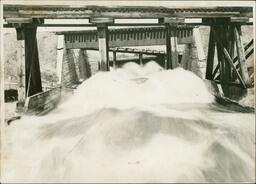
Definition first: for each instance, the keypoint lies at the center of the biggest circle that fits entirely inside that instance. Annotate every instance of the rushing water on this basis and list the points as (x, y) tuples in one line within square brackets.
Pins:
[(134, 125)]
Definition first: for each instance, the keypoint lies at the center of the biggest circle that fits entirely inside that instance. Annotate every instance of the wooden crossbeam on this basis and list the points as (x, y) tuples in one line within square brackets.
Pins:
[(18, 20), (137, 51), (239, 19), (227, 56), (100, 20), (137, 60), (228, 83), (65, 11), (11, 25)]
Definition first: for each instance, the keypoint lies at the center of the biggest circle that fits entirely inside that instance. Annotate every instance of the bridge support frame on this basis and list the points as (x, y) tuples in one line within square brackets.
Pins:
[(233, 80)]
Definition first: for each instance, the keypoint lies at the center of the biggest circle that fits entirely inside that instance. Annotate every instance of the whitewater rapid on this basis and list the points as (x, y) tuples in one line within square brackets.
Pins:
[(134, 124)]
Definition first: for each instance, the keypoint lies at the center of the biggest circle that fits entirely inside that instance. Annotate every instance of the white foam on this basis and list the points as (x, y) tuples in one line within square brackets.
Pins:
[(134, 124)]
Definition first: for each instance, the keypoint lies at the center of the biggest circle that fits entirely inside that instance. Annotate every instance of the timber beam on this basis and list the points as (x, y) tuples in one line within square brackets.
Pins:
[(11, 25), (65, 11)]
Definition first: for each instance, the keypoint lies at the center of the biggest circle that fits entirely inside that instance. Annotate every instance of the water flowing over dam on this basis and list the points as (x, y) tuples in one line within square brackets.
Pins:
[(134, 124)]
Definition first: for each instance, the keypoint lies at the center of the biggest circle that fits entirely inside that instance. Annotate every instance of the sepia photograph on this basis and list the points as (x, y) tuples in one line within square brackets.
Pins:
[(115, 91)]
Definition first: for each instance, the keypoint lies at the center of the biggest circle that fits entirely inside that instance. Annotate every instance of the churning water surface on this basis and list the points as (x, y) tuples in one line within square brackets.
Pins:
[(134, 124)]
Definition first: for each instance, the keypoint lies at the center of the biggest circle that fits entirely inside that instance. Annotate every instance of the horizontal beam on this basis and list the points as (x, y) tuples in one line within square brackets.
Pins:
[(145, 58), (126, 30), (239, 19), (19, 20), (11, 25), (228, 83), (137, 51), (101, 20), (62, 11)]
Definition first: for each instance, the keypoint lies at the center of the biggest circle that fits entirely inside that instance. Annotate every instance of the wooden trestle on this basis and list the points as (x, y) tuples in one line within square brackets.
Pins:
[(171, 30), (231, 69)]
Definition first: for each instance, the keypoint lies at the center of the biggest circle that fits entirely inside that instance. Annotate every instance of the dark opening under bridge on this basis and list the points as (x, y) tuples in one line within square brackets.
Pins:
[(170, 30)]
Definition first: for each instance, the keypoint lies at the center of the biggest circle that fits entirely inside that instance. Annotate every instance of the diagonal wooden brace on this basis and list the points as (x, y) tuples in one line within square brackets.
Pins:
[(241, 56), (235, 59)]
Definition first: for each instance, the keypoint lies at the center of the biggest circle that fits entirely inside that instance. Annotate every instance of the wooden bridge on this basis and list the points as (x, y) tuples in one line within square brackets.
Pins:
[(170, 30)]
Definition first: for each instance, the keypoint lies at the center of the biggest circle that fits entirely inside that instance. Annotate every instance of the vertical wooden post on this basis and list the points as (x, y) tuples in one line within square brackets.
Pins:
[(230, 36), (103, 46), (210, 56), (140, 58), (198, 42), (174, 50), (171, 47), (186, 61), (88, 71), (82, 65), (229, 44), (33, 75), (60, 57), (189, 63), (221, 59), (114, 59), (225, 77), (21, 64), (28, 61), (241, 55), (168, 48)]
